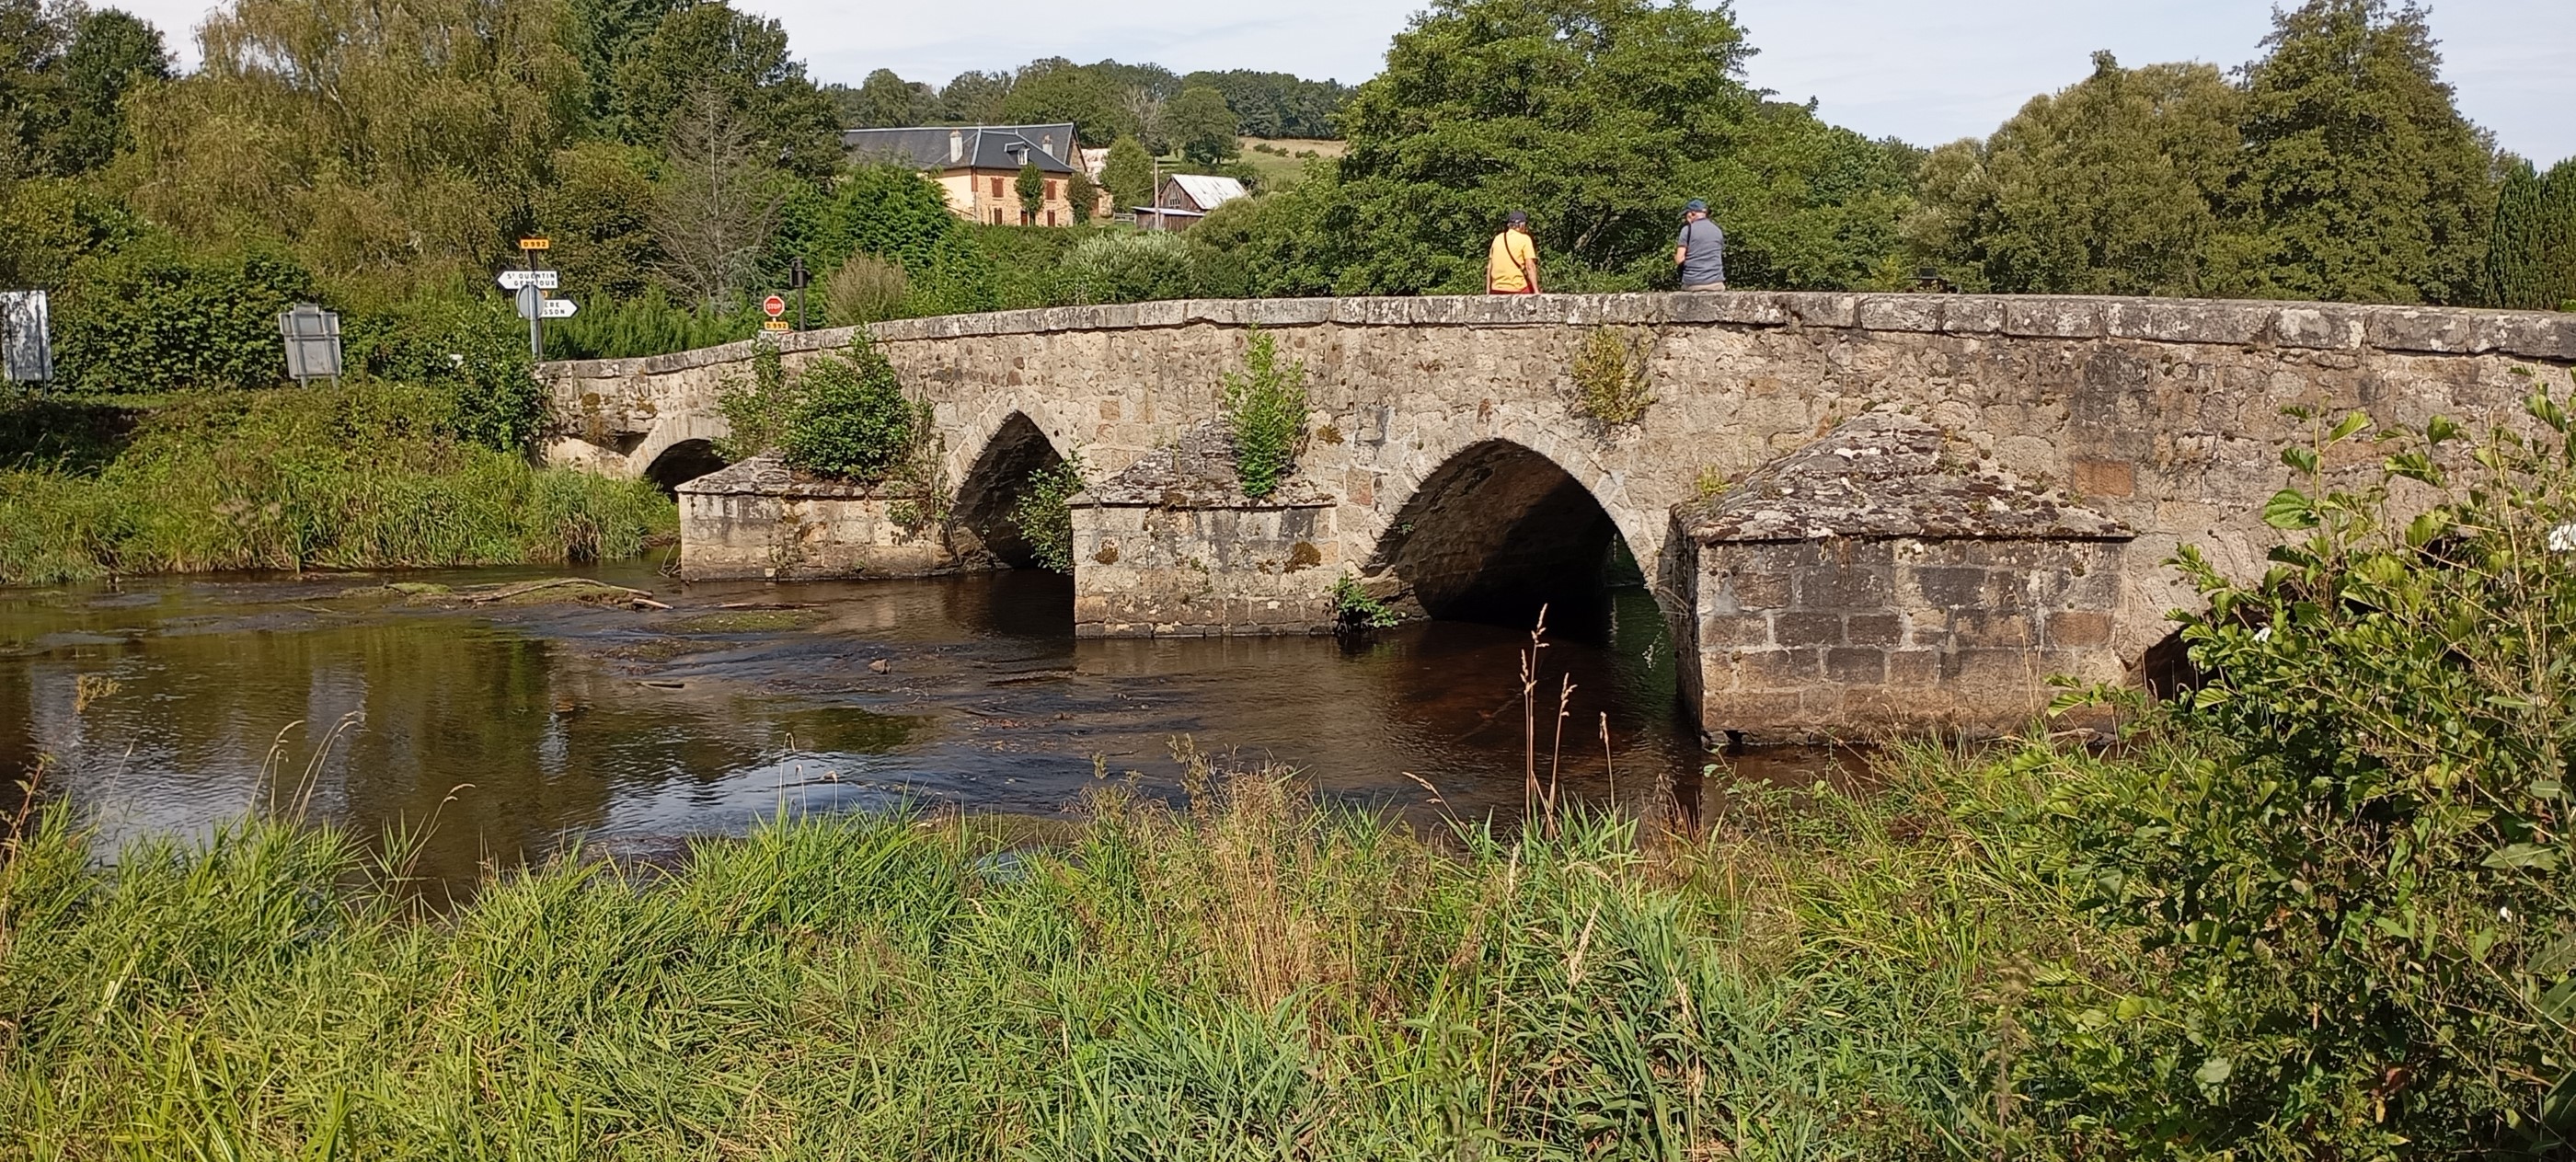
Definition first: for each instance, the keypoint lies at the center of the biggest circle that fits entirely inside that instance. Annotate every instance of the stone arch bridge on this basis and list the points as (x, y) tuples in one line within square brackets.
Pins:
[(2031, 463)]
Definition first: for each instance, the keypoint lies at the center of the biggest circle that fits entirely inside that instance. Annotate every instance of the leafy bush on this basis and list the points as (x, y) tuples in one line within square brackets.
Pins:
[(1043, 515), (152, 318), (474, 349), (851, 418), (1611, 380), (866, 289), (2354, 893), (1355, 611), (1126, 266), (1265, 407)]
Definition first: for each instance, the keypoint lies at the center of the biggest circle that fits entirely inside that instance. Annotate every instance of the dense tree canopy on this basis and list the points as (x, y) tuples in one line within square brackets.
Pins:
[(2365, 180), (2118, 185)]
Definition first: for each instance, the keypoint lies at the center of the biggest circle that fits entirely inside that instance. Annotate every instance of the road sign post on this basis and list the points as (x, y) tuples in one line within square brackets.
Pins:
[(534, 314), (796, 279), (773, 306)]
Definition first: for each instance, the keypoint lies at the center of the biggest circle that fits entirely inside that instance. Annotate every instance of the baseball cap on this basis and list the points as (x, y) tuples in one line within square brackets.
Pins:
[(1516, 218), (1696, 206)]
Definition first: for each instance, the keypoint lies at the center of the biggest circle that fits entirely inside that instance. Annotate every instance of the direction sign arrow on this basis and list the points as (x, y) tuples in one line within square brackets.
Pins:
[(541, 279), (560, 308)]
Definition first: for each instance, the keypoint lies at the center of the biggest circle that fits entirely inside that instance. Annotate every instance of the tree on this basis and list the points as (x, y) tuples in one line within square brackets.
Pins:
[(743, 59), (2531, 251), (2117, 185), (2366, 182), (600, 212), (604, 35), (370, 138), (975, 98), (1031, 186), (32, 38), (1082, 194), (720, 203), (887, 101), (1599, 117), (1050, 92), (1202, 126), (1277, 104), (110, 54), (1129, 173)]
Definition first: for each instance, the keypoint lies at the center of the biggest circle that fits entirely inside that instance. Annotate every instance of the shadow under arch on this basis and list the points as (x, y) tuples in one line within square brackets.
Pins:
[(993, 486), (683, 462), (1498, 531)]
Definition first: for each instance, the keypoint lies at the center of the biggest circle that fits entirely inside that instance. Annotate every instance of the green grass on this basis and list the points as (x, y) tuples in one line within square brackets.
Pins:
[(1252, 978), (352, 477)]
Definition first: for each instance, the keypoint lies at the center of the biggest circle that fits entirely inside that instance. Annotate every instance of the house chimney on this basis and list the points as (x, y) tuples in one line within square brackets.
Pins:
[(956, 146)]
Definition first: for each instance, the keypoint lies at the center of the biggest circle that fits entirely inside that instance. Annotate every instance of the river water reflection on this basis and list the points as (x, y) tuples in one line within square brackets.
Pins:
[(171, 705)]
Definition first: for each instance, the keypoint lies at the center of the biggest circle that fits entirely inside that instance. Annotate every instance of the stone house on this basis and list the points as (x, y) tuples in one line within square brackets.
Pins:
[(978, 166)]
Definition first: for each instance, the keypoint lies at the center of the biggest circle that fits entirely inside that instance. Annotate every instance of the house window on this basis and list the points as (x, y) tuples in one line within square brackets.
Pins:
[(1050, 191), (997, 187), (997, 217), (1050, 217)]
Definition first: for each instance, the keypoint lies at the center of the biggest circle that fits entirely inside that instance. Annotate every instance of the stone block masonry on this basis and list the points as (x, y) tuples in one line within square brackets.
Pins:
[(757, 519), (2164, 416), (1883, 582), (1171, 547)]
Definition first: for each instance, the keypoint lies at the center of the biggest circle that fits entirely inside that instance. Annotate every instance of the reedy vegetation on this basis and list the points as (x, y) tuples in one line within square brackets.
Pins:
[(361, 476)]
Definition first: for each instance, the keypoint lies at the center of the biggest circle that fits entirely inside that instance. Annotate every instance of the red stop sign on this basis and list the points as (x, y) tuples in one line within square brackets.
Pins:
[(775, 305)]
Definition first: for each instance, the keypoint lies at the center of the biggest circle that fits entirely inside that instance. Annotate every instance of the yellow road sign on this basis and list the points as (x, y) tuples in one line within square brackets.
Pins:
[(535, 243)]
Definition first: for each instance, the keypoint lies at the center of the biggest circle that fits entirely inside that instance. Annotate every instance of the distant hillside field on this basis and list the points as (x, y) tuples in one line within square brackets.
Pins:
[(1283, 167)]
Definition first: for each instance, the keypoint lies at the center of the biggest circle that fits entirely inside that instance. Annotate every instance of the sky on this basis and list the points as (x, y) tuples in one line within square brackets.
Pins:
[(1926, 72)]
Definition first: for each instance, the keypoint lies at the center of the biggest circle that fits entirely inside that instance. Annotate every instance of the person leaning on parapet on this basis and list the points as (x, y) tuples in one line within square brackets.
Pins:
[(1701, 250), (1512, 267)]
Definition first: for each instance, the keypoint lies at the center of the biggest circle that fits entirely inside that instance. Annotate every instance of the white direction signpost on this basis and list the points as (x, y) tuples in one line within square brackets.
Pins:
[(558, 308), (523, 279)]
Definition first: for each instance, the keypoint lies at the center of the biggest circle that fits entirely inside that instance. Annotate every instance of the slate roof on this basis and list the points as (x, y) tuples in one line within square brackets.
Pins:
[(1883, 475), (979, 146)]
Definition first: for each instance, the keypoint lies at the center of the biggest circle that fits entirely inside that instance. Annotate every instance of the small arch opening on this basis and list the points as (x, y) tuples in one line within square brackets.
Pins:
[(988, 500), (1498, 532), (683, 462)]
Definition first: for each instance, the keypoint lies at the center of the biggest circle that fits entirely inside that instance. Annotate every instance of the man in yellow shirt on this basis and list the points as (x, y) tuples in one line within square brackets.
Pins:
[(1512, 267)]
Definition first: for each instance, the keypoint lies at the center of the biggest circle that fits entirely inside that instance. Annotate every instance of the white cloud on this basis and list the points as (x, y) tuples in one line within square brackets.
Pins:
[(1923, 71)]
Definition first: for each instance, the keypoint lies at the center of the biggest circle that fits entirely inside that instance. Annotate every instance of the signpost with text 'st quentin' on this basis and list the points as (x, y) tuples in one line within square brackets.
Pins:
[(530, 286)]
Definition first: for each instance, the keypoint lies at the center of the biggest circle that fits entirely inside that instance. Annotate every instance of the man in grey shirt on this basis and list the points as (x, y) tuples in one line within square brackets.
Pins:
[(1701, 251)]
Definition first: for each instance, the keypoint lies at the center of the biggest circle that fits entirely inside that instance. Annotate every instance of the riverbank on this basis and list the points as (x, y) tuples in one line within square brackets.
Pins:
[(358, 476), (1924, 970), (1815, 975)]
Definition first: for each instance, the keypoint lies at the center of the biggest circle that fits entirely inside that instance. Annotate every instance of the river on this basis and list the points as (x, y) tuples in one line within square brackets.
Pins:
[(170, 705)]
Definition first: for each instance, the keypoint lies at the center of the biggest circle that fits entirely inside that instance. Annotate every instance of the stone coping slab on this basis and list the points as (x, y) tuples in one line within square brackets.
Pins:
[(1884, 475), (2539, 335), (768, 475)]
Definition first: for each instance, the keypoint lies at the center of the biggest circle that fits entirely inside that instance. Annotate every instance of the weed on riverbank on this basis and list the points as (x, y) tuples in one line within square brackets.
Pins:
[(1259, 977), (349, 477)]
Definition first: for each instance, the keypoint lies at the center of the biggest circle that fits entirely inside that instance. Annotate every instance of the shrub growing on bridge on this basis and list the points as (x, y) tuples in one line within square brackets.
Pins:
[(850, 418), (1265, 406), (1044, 515)]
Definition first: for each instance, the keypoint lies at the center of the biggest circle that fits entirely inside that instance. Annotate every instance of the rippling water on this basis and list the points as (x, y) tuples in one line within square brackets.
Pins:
[(170, 705)]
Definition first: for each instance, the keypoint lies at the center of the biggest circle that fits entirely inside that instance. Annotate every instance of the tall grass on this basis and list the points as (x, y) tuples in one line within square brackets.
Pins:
[(1256, 976), (359, 476)]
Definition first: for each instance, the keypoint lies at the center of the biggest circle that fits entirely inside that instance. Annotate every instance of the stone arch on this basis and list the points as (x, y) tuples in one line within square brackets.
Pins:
[(669, 433), (683, 462), (1497, 529), (1010, 450)]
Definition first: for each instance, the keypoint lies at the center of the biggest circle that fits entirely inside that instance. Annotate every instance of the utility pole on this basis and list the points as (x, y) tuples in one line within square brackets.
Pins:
[(797, 278)]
